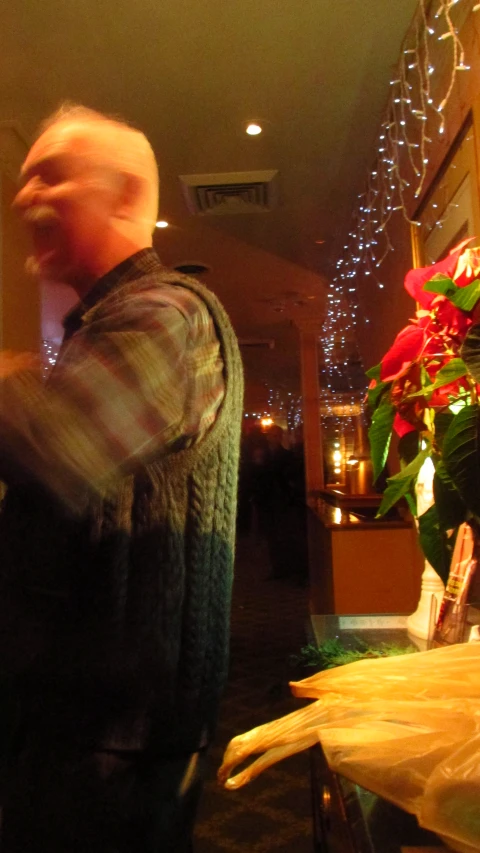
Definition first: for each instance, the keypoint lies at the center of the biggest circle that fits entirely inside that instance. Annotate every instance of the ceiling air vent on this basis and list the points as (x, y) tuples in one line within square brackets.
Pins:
[(230, 192), (261, 343)]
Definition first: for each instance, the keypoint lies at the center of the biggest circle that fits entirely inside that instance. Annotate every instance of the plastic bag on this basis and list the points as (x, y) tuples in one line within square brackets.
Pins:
[(407, 728)]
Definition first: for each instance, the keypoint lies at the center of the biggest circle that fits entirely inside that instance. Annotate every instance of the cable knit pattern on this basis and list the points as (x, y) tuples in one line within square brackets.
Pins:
[(138, 602)]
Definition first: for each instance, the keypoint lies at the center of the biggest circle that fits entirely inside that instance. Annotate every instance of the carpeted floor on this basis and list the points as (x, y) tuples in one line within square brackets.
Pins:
[(268, 626)]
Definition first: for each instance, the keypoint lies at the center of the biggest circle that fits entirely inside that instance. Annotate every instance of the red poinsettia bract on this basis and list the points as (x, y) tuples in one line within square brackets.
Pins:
[(429, 342), (416, 278), (406, 348)]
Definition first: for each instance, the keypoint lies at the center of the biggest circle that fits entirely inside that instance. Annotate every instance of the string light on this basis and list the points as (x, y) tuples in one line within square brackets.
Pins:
[(415, 112), (285, 406), (49, 355)]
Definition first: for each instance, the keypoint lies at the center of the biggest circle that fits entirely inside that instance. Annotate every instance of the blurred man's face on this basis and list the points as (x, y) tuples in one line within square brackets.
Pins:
[(67, 202)]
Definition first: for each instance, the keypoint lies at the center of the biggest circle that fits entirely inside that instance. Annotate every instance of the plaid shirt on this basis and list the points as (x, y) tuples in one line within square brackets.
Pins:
[(139, 374)]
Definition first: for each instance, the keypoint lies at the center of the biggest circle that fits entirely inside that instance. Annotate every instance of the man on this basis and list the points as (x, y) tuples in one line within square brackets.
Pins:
[(116, 535)]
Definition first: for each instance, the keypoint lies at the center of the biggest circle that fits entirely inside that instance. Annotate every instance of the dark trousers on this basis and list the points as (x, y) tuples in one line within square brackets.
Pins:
[(62, 799)]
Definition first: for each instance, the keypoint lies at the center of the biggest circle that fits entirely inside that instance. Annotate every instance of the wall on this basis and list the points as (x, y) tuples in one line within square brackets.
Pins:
[(264, 294), (20, 299)]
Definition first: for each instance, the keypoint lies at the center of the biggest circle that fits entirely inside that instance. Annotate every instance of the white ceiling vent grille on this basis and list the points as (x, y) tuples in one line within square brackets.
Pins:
[(260, 343), (231, 192)]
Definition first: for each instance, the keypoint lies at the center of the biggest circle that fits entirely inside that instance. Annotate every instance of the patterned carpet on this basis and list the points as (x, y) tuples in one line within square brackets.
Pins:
[(268, 625)]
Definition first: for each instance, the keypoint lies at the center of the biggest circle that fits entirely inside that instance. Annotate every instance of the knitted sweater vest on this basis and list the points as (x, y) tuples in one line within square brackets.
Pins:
[(123, 622)]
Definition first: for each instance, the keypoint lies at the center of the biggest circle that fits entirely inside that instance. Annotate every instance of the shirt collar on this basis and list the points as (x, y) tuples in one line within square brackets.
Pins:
[(128, 270)]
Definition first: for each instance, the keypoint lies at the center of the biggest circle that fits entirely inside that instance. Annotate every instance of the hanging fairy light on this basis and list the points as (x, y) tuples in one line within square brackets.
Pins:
[(282, 405), (50, 354), (415, 113), (286, 405)]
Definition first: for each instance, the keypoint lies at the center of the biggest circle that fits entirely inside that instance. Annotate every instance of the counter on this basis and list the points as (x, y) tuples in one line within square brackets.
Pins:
[(358, 563), (346, 817), (350, 819)]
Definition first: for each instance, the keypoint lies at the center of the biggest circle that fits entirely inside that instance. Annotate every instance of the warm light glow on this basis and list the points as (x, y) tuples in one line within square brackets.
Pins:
[(346, 410), (337, 455), (352, 460), (457, 406), (162, 223), (337, 470), (266, 422), (253, 129)]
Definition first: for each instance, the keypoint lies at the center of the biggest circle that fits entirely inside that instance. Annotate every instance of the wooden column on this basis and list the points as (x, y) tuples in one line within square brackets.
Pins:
[(312, 429)]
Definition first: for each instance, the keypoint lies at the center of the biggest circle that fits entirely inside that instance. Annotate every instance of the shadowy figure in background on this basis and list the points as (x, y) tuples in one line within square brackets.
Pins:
[(273, 500), (252, 478), (297, 518), (272, 492)]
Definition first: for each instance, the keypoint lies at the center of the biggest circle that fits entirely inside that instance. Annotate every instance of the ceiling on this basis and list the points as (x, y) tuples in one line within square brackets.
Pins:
[(191, 73)]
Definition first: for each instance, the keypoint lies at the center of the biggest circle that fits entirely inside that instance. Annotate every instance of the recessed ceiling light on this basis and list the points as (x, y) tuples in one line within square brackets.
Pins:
[(254, 129), (162, 223)]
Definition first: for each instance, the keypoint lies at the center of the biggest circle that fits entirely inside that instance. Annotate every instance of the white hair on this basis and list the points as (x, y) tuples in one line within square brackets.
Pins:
[(114, 144)]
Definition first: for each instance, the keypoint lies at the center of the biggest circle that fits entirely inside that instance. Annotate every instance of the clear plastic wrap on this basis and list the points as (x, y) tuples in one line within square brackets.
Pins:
[(407, 728)]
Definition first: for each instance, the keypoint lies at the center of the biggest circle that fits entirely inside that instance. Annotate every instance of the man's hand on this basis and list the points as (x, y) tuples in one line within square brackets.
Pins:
[(16, 362)]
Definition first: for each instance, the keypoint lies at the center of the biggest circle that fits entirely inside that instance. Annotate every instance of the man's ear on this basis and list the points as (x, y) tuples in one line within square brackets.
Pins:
[(130, 191)]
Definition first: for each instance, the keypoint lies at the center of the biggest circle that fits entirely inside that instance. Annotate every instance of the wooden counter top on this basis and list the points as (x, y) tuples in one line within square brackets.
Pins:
[(334, 517)]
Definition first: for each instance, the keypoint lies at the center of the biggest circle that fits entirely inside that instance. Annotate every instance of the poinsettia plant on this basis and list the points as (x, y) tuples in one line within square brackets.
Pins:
[(426, 389)]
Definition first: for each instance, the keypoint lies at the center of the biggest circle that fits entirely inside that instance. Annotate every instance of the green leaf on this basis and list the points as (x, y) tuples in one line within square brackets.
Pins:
[(374, 372), (425, 378), (379, 435), (411, 501), (442, 422), (451, 509), (471, 352), (424, 392), (467, 297), (407, 448), (461, 456), (426, 386), (451, 371), (333, 653), (441, 284), (434, 543), (464, 298), (400, 483), (374, 395)]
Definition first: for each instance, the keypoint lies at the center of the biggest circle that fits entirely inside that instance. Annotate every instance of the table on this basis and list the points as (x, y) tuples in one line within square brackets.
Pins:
[(346, 817)]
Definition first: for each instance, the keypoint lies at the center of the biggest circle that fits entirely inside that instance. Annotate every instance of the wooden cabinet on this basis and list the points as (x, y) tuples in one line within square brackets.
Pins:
[(361, 565)]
